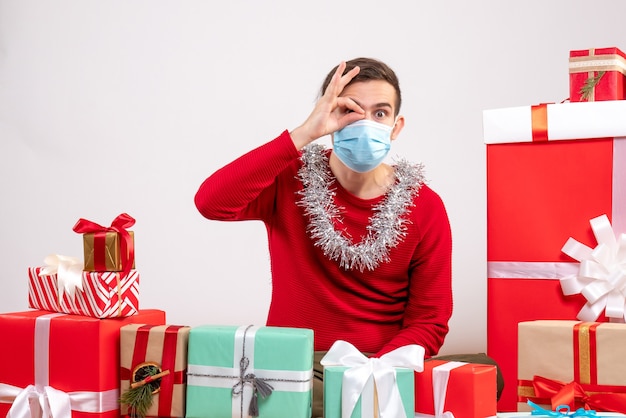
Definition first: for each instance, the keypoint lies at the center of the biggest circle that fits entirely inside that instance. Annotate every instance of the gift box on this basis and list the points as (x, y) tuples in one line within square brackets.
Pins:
[(359, 387), (108, 248), (550, 170), (99, 294), (367, 403), (597, 74), (466, 390), (155, 350), (237, 371), (573, 363), (61, 361)]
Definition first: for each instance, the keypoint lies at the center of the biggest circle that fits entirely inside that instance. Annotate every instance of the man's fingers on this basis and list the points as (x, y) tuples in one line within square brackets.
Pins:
[(340, 80), (346, 105)]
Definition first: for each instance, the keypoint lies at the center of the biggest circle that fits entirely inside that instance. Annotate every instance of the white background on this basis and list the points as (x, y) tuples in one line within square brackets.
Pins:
[(126, 106)]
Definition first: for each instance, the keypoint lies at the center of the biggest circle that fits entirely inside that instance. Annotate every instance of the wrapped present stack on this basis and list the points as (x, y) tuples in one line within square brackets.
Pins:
[(106, 285), (555, 172), (62, 358)]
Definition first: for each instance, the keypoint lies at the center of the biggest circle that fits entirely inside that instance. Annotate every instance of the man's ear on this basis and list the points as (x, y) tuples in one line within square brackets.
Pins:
[(397, 127)]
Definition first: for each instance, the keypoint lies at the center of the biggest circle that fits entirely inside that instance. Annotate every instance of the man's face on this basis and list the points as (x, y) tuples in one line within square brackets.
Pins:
[(377, 98)]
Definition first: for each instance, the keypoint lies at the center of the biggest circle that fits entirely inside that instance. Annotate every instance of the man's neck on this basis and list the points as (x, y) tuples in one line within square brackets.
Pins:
[(368, 185)]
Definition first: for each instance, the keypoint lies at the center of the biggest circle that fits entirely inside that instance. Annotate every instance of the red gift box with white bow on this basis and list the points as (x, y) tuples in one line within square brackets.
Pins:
[(551, 169)]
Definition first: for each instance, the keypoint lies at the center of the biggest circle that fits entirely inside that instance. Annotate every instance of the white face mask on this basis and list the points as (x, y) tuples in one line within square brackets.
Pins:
[(362, 145)]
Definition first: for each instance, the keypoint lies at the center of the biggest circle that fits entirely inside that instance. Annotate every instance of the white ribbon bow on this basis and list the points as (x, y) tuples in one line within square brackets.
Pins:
[(601, 278), (33, 403), (69, 271), (382, 370)]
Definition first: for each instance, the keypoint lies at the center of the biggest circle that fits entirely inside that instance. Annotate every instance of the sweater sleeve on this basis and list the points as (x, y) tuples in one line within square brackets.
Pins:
[(244, 188), (429, 305)]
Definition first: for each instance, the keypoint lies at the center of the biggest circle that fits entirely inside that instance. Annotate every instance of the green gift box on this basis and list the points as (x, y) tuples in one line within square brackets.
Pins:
[(368, 401), (234, 370)]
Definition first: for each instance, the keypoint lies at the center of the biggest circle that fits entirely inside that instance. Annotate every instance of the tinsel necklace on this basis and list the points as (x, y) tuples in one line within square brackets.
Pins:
[(386, 228)]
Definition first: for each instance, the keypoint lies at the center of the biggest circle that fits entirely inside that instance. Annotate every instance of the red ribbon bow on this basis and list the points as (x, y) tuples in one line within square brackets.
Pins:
[(574, 395), (119, 225)]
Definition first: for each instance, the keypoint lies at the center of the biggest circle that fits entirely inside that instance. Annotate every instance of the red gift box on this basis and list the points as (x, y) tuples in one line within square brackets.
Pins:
[(164, 348), (61, 358), (597, 74), (538, 195), (103, 294), (471, 389)]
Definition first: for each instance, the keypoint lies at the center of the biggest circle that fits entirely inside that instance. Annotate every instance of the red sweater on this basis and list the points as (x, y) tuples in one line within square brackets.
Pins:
[(407, 300)]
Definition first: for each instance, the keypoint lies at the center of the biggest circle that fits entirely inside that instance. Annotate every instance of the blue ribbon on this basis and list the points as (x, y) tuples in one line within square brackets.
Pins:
[(561, 411)]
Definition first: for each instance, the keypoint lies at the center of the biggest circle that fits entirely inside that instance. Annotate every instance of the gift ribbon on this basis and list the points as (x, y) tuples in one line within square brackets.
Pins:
[(381, 370), (440, 377), (608, 62), (573, 393), (245, 380), (601, 277), (40, 400), (560, 411), (119, 225), (539, 119), (69, 271)]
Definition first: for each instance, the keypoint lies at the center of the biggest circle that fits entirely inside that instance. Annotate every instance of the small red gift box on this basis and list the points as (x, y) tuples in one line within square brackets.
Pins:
[(103, 294), (542, 189), (597, 74), (469, 390), (63, 360), (145, 349)]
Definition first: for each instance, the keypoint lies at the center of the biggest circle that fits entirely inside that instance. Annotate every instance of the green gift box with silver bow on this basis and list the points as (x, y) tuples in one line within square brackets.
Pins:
[(249, 371)]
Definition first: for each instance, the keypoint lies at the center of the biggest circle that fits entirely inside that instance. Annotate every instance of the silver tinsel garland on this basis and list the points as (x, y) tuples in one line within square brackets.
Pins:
[(387, 227)]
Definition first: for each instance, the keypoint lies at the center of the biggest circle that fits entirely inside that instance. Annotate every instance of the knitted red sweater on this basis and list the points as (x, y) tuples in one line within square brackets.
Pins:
[(407, 300)]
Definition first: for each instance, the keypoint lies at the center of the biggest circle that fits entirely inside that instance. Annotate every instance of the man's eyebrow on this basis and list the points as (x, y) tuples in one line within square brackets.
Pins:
[(376, 106)]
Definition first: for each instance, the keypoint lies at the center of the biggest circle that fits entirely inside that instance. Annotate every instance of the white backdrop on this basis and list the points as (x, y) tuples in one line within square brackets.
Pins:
[(126, 106)]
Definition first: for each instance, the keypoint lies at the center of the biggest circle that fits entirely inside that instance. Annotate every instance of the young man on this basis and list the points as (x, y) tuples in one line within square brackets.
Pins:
[(360, 250)]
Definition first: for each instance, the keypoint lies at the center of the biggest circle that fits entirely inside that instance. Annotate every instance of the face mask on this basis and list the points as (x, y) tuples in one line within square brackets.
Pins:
[(362, 145)]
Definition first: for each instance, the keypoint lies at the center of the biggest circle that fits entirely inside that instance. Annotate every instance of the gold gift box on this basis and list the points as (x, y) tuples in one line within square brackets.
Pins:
[(112, 251)]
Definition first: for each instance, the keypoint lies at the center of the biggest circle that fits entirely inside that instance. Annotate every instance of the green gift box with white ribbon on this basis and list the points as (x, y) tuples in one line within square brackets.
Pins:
[(249, 371), (367, 405), (359, 387)]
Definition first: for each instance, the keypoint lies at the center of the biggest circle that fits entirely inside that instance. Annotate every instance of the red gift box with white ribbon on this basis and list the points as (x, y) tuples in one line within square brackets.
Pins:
[(550, 170), (61, 365)]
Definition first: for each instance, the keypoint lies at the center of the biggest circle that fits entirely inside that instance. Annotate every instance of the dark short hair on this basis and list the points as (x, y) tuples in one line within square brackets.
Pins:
[(370, 69)]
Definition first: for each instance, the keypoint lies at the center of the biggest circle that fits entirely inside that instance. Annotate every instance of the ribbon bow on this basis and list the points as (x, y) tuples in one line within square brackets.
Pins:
[(259, 387), (361, 369), (119, 225), (560, 411), (46, 402), (569, 394), (69, 271), (601, 278)]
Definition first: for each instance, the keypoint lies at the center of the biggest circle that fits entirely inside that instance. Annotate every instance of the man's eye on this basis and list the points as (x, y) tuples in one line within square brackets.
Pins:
[(381, 113), (349, 111)]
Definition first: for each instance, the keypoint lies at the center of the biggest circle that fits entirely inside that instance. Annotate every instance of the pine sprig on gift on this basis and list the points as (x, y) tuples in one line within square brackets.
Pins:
[(140, 396), (139, 400), (587, 89)]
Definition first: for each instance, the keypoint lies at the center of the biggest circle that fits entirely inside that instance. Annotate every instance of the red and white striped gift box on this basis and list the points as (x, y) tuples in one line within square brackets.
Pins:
[(103, 294)]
